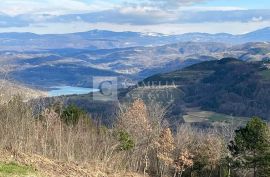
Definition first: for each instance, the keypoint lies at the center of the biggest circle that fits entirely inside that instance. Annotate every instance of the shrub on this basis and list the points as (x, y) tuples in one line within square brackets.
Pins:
[(126, 142), (72, 114)]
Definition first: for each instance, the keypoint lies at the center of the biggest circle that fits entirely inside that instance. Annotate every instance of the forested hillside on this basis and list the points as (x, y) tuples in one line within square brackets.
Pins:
[(227, 86)]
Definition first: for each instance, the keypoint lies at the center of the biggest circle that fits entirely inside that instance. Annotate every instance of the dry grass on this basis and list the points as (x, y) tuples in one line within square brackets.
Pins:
[(46, 143), (43, 167), (38, 138), (9, 90)]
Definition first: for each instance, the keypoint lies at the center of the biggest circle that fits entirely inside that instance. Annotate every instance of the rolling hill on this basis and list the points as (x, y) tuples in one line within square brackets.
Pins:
[(77, 66), (228, 86), (10, 89), (73, 59)]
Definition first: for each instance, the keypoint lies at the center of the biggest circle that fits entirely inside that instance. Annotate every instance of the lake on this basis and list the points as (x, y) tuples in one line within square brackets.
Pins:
[(69, 90)]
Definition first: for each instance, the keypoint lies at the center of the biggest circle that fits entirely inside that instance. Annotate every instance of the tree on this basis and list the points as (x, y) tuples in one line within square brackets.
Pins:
[(164, 148), (72, 114), (184, 161), (252, 144), (134, 120), (126, 142), (208, 154)]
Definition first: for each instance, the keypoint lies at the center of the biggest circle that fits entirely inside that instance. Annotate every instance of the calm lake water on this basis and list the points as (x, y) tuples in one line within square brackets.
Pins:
[(69, 90)]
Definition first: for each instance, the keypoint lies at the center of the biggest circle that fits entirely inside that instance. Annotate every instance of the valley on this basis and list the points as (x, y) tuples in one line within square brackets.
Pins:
[(39, 68), (76, 66), (124, 88)]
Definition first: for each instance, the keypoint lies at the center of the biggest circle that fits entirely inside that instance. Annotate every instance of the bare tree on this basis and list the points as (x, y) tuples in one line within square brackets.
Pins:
[(164, 149)]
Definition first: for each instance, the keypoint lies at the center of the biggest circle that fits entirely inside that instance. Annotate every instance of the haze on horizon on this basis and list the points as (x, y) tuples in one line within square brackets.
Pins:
[(160, 16)]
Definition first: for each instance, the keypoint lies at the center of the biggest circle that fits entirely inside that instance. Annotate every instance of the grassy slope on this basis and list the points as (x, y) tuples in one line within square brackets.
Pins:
[(15, 164), (9, 89), (16, 170)]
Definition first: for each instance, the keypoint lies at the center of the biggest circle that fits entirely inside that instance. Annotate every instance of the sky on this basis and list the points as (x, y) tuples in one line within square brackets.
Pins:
[(158, 16)]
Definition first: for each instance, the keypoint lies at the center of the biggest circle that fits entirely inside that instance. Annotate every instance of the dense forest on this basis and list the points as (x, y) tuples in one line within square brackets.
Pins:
[(228, 86)]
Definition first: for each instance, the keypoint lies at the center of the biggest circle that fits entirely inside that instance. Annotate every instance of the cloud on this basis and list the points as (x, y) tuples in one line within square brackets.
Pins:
[(168, 16), (257, 19), (224, 16), (165, 4), (120, 16), (146, 16), (139, 16), (8, 21), (174, 3), (53, 7)]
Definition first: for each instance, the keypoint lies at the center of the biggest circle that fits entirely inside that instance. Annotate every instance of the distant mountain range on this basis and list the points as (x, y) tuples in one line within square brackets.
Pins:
[(73, 59), (98, 39)]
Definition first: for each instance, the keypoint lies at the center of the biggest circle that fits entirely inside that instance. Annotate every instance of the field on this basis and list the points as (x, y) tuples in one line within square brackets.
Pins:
[(195, 116)]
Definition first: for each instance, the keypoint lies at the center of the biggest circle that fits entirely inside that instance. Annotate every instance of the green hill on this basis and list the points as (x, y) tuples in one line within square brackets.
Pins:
[(227, 86)]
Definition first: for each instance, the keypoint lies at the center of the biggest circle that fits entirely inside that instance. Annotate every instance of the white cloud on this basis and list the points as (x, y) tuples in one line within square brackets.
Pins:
[(166, 4), (148, 16), (174, 3), (210, 8), (56, 7), (148, 12), (54, 16), (257, 19)]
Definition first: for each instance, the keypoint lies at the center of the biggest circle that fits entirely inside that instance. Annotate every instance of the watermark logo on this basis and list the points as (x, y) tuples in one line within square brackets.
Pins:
[(107, 88)]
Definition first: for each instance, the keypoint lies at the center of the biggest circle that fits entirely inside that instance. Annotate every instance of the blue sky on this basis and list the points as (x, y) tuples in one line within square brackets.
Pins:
[(162, 16)]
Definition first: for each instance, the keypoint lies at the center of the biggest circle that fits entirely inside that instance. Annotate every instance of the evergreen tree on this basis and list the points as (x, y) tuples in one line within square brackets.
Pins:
[(72, 114), (252, 144)]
